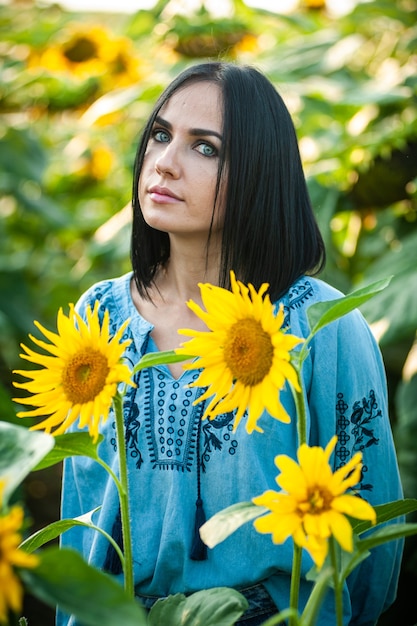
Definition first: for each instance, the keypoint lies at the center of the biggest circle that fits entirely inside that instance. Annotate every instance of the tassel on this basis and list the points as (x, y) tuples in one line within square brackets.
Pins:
[(198, 548), (112, 563)]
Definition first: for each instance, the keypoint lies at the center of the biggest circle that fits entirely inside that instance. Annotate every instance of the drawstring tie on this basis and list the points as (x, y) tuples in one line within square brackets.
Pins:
[(198, 548)]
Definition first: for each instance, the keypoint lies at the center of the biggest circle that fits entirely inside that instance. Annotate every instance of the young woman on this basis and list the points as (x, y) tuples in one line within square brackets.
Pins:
[(219, 186)]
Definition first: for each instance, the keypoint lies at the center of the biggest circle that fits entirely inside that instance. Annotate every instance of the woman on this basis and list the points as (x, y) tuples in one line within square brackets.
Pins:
[(218, 185)]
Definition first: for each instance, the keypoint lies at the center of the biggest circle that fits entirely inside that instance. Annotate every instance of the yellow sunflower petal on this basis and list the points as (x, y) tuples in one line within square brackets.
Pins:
[(317, 548), (341, 530), (348, 475), (292, 478), (313, 493), (355, 507), (244, 355), (11, 592), (80, 379), (280, 527)]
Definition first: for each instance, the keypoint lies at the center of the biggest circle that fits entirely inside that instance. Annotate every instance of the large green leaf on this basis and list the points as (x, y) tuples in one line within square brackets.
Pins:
[(219, 606), (54, 530), (386, 513), (63, 578), (20, 451), (70, 444), (323, 313), (225, 522), (385, 534)]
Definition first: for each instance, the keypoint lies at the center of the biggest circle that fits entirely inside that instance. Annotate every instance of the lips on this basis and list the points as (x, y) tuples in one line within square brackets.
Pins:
[(162, 194)]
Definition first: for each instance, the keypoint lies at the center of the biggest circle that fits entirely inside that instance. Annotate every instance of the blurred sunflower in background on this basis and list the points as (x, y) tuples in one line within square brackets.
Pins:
[(11, 591), (83, 51)]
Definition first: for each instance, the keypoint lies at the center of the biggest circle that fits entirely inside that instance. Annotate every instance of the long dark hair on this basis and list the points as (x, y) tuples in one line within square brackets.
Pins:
[(270, 233)]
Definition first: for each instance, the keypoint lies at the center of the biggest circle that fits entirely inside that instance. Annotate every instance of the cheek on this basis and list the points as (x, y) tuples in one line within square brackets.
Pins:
[(221, 202), (142, 185)]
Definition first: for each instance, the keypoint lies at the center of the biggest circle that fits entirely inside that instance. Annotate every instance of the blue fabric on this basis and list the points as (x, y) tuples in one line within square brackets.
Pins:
[(344, 381)]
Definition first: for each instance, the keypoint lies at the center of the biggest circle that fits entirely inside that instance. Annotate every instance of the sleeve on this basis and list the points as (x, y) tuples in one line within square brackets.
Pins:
[(347, 396)]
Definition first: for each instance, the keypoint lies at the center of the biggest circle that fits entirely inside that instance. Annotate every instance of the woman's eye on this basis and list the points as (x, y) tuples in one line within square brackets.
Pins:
[(207, 149), (161, 136)]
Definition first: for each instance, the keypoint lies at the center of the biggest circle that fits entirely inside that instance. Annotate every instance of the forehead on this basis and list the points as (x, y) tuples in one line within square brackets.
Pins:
[(199, 105)]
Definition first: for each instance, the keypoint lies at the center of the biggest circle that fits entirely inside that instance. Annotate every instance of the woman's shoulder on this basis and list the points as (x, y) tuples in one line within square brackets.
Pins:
[(308, 290), (113, 294)]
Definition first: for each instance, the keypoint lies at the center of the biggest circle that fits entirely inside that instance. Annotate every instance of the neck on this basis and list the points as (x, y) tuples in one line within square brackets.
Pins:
[(185, 269)]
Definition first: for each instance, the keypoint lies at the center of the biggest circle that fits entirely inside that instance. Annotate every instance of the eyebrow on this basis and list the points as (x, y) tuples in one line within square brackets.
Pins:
[(193, 131)]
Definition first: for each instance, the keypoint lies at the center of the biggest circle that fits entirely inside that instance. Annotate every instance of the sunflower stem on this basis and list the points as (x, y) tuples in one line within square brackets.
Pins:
[(295, 582), (338, 591), (124, 495), (110, 471), (301, 412)]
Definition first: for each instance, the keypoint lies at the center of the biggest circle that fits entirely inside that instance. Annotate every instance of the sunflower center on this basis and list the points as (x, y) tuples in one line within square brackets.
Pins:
[(318, 500), (80, 50), (248, 352), (85, 376)]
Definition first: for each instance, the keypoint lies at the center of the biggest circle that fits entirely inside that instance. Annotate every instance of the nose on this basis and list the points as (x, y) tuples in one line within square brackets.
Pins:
[(167, 163)]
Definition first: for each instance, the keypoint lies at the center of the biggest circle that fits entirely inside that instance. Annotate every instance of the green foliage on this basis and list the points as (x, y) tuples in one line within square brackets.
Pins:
[(20, 451), (211, 607), (96, 599)]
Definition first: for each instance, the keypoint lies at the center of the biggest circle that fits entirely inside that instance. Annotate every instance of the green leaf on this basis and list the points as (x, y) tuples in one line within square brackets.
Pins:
[(284, 617), (386, 534), (225, 522), (380, 536), (20, 451), (54, 530), (323, 313), (352, 561), (220, 606), (70, 444), (160, 358), (385, 513), (63, 578)]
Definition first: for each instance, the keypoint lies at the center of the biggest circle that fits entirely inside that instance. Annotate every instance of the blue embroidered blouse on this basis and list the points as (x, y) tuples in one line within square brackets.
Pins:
[(173, 456)]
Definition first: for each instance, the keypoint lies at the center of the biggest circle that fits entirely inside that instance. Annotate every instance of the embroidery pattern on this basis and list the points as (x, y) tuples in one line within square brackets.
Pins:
[(224, 426), (296, 297), (354, 426), (172, 440)]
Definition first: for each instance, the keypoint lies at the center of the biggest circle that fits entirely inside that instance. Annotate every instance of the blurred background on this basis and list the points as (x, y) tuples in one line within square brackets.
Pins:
[(77, 82)]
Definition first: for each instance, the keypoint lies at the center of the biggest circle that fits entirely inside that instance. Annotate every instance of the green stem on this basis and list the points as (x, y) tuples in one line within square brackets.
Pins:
[(110, 471), (301, 412), (295, 581), (338, 591), (124, 495)]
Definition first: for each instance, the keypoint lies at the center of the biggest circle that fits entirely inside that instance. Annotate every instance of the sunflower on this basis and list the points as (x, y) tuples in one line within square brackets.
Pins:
[(245, 356), (313, 503), (11, 592), (80, 379), (91, 51)]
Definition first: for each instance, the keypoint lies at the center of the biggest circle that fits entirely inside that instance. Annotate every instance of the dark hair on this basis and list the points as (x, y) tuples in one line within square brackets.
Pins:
[(270, 233)]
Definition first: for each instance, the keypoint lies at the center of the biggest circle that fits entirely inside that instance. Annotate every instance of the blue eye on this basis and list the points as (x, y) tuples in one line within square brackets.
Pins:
[(160, 135), (206, 149)]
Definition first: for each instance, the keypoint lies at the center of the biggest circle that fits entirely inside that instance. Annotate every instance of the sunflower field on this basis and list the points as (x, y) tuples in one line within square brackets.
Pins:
[(75, 90)]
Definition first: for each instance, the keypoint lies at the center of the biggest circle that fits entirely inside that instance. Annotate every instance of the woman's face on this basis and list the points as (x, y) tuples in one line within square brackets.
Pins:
[(178, 179)]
